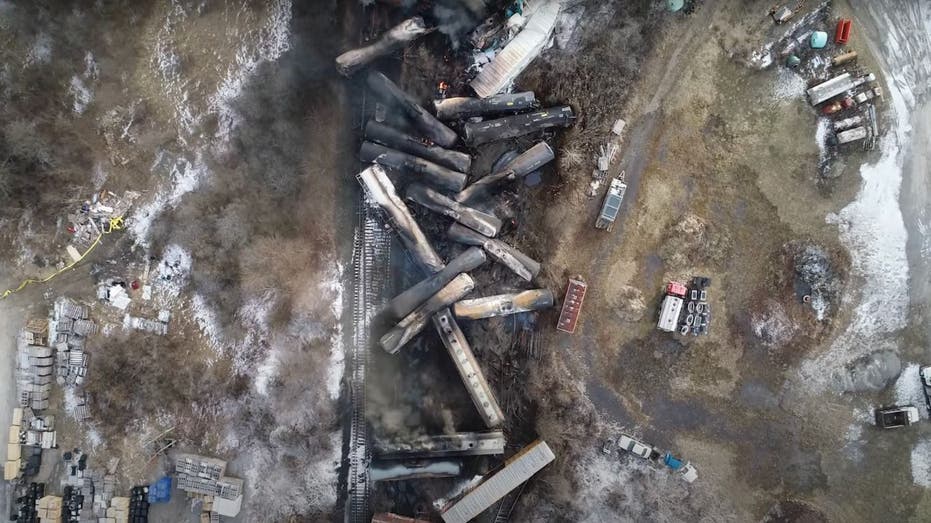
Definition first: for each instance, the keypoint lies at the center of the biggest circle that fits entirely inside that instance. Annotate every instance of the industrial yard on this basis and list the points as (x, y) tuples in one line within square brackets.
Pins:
[(451, 261)]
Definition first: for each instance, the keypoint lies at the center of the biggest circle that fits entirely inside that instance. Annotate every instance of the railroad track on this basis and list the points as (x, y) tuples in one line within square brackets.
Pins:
[(506, 507), (370, 261)]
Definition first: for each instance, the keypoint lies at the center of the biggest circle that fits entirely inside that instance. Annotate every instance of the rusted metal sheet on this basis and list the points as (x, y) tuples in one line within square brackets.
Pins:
[(503, 304), (572, 305)]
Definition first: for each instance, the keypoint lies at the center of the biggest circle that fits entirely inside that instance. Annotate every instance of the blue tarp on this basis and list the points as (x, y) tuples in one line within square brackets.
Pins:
[(160, 491)]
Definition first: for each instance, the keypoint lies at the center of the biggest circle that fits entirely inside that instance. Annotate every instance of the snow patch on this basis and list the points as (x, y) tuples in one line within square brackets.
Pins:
[(183, 177), (41, 50), (873, 230), (173, 271), (909, 390), (314, 490), (788, 85), (921, 463), (82, 94), (273, 40), (206, 319), (334, 286), (822, 131)]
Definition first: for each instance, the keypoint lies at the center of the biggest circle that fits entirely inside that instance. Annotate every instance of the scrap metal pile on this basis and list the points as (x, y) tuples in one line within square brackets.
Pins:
[(816, 48), (415, 156)]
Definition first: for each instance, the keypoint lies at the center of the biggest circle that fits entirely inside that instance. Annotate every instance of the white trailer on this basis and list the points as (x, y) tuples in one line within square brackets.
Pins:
[(521, 467), (669, 314), (836, 86)]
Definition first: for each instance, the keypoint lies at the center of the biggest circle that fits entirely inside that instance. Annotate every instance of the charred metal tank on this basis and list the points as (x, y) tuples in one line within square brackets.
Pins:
[(414, 322), (527, 162), (472, 376), (521, 264), (465, 107), (401, 471), (436, 175), (478, 133), (487, 224), (391, 137), (504, 304), (379, 187), (432, 128), (402, 304), (394, 39), (442, 446)]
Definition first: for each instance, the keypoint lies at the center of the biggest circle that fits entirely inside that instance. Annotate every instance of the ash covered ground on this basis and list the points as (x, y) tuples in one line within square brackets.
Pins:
[(231, 122)]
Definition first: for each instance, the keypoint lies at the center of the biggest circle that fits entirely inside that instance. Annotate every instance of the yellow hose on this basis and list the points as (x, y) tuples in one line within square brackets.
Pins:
[(116, 224)]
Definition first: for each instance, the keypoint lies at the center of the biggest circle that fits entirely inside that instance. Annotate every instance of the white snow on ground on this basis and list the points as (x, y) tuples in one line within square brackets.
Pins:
[(314, 491), (788, 85), (184, 176), (821, 136), (41, 50), (273, 40), (334, 286), (82, 94), (206, 320), (873, 230), (93, 438), (172, 273), (909, 391), (254, 315), (921, 463), (70, 401)]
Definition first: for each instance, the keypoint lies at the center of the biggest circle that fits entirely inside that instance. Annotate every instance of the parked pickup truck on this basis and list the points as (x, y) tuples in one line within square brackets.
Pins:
[(637, 448), (896, 416)]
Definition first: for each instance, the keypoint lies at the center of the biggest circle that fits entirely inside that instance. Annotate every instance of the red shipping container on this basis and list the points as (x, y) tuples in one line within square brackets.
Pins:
[(843, 31)]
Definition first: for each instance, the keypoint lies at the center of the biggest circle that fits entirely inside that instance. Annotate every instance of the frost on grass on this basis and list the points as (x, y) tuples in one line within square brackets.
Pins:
[(909, 391), (921, 463), (605, 487)]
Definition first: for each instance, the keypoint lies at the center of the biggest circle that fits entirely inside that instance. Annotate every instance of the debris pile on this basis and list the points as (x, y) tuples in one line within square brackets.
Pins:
[(95, 218), (427, 159), (815, 47)]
